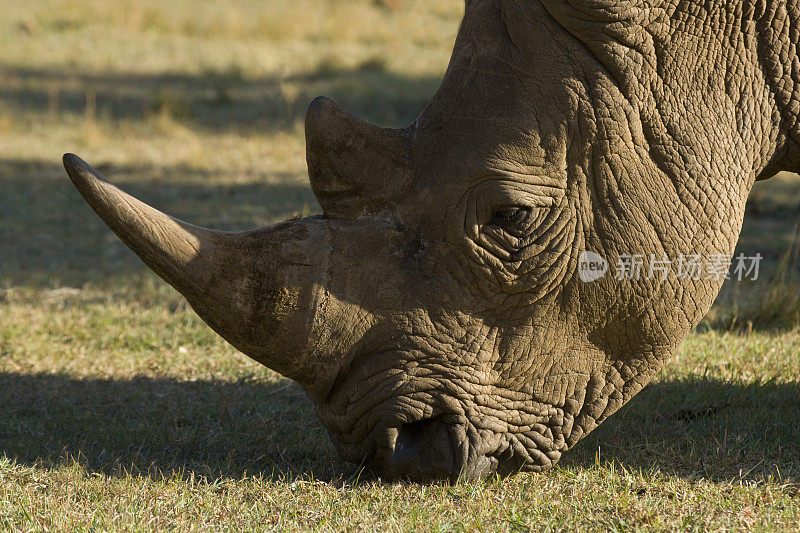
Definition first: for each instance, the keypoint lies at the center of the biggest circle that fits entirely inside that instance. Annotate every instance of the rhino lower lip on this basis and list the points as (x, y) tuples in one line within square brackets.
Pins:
[(428, 450), (423, 450)]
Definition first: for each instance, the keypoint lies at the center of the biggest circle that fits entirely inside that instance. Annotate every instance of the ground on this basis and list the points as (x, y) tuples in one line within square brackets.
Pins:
[(120, 409)]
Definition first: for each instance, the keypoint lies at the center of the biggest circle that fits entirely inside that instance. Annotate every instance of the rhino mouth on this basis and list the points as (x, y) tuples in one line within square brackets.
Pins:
[(444, 447), (423, 427), (431, 448)]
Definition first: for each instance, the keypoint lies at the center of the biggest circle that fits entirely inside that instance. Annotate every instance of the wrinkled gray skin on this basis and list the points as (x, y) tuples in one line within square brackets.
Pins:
[(434, 313)]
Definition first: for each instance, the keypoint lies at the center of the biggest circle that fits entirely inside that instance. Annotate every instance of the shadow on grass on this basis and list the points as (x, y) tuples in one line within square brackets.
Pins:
[(48, 232), (162, 426), (703, 429), (219, 100), (700, 429)]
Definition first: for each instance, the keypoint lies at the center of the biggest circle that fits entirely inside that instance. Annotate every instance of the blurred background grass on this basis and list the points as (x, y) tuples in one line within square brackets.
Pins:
[(120, 409)]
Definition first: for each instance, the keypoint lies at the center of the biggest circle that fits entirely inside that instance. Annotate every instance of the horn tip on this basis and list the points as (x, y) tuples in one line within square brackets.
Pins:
[(73, 163), (323, 114), (80, 172)]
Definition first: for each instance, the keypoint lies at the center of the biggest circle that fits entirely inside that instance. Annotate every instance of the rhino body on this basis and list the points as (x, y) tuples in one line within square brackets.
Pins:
[(436, 313)]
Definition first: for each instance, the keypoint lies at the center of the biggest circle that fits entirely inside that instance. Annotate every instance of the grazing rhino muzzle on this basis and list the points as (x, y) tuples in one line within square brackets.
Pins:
[(437, 313)]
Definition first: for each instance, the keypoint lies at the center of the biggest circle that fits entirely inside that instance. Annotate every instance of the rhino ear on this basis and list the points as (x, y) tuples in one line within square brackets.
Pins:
[(355, 168)]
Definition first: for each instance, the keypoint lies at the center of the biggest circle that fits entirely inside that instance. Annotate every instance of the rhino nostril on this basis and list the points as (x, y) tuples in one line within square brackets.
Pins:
[(423, 451)]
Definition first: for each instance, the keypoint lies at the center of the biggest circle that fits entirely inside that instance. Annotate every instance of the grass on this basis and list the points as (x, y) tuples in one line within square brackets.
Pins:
[(120, 410)]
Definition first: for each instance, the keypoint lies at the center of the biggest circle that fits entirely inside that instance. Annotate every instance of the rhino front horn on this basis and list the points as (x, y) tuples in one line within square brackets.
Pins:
[(254, 288)]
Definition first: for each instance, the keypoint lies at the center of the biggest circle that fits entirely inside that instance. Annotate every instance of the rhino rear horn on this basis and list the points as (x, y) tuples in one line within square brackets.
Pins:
[(355, 168)]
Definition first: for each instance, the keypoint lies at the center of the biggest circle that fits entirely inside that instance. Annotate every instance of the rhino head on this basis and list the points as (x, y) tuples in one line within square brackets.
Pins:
[(436, 313)]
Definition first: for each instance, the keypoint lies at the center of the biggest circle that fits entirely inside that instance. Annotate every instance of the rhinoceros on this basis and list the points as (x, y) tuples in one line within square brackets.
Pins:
[(456, 310)]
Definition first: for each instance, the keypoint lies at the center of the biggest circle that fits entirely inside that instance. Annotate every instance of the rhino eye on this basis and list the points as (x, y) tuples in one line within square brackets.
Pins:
[(512, 218)]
